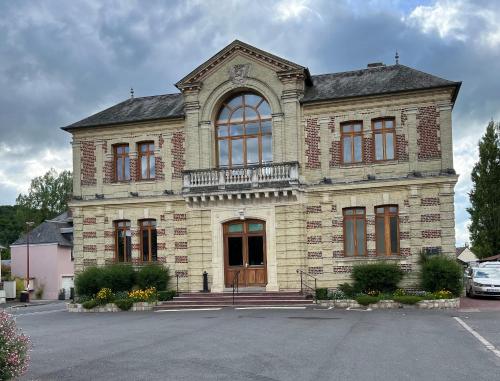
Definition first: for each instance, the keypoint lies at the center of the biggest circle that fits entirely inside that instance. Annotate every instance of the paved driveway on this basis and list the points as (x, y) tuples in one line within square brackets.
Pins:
[(260, 345)]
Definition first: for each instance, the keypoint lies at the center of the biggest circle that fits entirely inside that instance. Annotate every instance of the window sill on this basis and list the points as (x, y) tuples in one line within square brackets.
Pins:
[(371, 259)]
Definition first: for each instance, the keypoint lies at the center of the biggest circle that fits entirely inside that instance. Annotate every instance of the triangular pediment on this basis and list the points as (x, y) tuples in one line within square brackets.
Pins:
[(234, 48)]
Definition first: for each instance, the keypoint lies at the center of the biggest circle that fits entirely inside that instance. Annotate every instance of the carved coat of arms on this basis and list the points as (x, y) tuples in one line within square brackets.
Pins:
[(238, 73)]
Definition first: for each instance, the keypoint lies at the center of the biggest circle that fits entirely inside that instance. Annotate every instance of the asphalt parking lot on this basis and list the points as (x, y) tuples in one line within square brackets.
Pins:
[(229, 344)]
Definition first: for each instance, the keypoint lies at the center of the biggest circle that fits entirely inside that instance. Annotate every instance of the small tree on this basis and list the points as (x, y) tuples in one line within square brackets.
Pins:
[(485, 196)]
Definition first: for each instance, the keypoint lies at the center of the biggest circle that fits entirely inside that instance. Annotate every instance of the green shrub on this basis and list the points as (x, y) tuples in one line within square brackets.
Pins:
[(441, 273), (82, 299), (155, 276), (383, 277), (121, 295), (347, 289), (104, 296), (337, 294), (89, 281), (166, 295), (118, 277), (89, 304), (321, 293), (407, 299), (365, 300), (124, 304)]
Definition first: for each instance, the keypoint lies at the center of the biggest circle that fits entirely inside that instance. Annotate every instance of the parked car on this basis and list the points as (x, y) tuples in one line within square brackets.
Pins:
[(484, 280)]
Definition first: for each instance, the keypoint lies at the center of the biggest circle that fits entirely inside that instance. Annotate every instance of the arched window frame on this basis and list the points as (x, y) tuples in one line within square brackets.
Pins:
[(226, 130)]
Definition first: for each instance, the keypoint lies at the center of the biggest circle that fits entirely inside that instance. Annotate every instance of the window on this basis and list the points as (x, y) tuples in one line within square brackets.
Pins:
[(352, 146), (244, 131), (123, 241), (149, 246), (146, 160), (384, 134), (122, 162), (354, 232), (387, 230)]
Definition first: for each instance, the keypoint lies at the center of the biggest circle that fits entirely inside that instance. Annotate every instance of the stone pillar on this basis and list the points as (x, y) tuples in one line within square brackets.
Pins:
[(325, 137), (447, 211), (206, 145), (99, 160), (191, 126), (411, 127), (445, 129), (278, 138), (77, 171)]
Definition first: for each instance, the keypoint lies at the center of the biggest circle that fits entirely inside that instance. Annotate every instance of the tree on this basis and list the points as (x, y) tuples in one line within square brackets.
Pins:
[(47, 197), (485, 195), (11, 227)]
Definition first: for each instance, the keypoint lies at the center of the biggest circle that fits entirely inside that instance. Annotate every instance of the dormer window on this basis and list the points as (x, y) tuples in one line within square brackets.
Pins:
[(244, 131)]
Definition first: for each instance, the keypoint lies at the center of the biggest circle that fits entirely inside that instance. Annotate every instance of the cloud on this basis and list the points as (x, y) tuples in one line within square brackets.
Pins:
[(62, 61)]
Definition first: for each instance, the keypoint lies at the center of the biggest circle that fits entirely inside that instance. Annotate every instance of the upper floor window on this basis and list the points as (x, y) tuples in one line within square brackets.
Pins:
[(352, 142), (387, 229), (122, 162), (149, 245), (244, 131), (354, 232), (123, 241), (384, 133), (146, 160)]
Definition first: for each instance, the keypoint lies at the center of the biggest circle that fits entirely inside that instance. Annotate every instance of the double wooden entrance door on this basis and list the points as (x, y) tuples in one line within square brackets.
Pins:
[(245, 253)]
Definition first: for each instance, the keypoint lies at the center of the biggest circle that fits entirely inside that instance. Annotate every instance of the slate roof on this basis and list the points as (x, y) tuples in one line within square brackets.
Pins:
[(366, 82), (50, 232), (459, 250)]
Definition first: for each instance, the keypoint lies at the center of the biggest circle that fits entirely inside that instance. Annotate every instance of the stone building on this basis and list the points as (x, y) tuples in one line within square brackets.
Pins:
[(259, 168)]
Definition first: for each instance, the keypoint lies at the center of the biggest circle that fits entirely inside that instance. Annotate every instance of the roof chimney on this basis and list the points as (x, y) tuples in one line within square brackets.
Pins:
[(375, 64)]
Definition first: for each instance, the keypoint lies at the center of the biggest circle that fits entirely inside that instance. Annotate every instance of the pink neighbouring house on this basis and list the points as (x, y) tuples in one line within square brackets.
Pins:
[(51, 257)]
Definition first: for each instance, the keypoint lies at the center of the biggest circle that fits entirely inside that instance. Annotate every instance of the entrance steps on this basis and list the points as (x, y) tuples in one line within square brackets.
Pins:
[(242, 299)]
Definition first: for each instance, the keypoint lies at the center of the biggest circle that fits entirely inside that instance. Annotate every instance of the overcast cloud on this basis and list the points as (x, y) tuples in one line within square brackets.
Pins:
[(61, 61)]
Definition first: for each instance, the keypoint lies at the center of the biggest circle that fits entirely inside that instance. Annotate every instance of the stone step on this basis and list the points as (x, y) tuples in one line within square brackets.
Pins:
[(241, 297), (170, 305), (224, 294), (237, 301)]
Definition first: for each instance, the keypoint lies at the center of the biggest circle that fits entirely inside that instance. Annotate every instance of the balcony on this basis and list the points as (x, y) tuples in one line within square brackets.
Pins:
[(279, 175)]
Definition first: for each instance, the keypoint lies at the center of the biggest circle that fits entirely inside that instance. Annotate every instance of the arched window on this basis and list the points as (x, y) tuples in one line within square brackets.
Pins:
[(244, 132)]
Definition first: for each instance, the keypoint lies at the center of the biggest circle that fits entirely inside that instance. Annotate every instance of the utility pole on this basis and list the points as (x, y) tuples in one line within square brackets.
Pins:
[(29, 224)]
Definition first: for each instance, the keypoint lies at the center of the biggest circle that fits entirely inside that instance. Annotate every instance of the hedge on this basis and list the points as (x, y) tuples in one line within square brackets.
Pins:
[(383, 277)]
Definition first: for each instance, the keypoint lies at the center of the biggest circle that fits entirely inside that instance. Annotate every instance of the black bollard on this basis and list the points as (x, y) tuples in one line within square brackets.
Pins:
[(205, 281)]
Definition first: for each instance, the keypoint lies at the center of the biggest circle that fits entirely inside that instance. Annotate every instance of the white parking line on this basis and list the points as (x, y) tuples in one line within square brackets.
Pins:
[(270, 308), (39, 312), (190, 309), (483, 341)]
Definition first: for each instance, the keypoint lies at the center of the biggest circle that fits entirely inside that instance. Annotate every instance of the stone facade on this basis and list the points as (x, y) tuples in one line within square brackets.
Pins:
[(304, 222)]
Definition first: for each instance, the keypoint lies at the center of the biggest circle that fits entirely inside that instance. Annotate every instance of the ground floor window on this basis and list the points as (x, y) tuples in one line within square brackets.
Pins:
[(387, 229), (149, 245), (354, 232), (123, 241)]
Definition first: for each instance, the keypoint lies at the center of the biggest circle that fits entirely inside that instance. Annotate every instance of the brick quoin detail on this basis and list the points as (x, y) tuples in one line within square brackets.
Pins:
[(404, 117), (404, 235), (314, 254), (313, 209), (428, 133), (335, 154), (331, 124), (161, 245), (405, 251), (430, 201), (405, 267), (109, 247), (336, 238), (179, 217), (160, 141), (109, 233), (134, 169), (342, 269), (406, 203), (89, 248), (159, 168), (178, 161), (370, 237), (334, 208), (181, 259), (135, 246), (160, 232), (337, 223), (313, 224), (370, 221), (87, 151), (315, 270), (431, 233), (89, 234), (312, 140), (162, 217), (404, 219), (89, 221), (89, 262), (433, 217), (338, 253), (108, 171), (368, 152), (314, 239), (180, 231), (181, 245), (372, 253), (402, 148), (181, 273)]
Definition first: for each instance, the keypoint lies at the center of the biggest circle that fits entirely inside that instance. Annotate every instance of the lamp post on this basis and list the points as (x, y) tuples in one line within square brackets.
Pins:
[(29, 224)]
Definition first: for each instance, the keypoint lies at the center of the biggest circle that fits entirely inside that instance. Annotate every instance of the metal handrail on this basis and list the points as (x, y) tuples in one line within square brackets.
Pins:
[(236, 283), (303, 283)]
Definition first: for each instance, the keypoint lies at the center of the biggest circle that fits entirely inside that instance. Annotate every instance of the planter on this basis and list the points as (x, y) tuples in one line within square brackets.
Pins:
[(10, 289), (110, 307), (390, 304)]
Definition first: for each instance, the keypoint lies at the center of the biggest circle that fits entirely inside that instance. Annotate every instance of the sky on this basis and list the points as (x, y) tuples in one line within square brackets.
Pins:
[(61, 61)]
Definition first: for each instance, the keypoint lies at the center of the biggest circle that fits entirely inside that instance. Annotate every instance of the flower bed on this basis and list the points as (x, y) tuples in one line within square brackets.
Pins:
[(387, 304), (110, 307)]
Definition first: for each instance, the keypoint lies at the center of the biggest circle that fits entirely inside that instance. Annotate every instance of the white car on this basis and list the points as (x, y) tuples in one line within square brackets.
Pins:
[(484, 280)]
